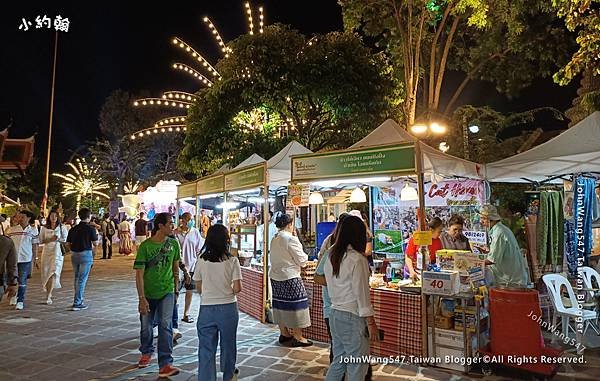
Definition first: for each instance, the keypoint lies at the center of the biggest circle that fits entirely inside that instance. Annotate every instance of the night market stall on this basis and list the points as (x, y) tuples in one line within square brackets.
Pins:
[(388, 158), (563, 237)]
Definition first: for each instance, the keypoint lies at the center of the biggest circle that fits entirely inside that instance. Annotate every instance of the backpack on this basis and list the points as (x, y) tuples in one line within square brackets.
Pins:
[(110, 228)]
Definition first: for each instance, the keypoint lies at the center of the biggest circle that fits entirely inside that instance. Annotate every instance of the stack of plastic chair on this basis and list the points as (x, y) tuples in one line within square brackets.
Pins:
[(591, 281)]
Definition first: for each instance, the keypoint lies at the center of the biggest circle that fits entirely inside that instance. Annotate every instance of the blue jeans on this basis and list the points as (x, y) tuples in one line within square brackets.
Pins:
[(161, 309), (82, 264), (350, 338), (217, 323), (156, 320), (24, 268)]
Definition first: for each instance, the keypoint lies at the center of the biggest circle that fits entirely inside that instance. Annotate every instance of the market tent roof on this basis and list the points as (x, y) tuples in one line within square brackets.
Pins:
[(224, 168), (253, 159), (435, 162), (575, 150), (279, 166)]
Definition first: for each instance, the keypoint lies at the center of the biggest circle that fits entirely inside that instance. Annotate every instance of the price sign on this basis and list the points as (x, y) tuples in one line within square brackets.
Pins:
[(422, 238), (298, 195), (441, 283)]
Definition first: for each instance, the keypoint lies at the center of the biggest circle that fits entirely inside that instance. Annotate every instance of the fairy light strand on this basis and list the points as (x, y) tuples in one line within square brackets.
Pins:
[(162, 102), (215, 32), (261, 18), (250, 21), (170, 121), (157, 130), (193, 72), (183, 45), (179, 96)]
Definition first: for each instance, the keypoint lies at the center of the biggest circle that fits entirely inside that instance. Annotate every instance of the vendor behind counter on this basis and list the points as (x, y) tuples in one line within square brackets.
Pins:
[(435, 225)]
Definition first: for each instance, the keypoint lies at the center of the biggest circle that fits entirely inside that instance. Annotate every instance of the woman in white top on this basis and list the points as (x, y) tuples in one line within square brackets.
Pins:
[(51, 234), (351, 318), (218, 279), (290, 301), (125, 242)]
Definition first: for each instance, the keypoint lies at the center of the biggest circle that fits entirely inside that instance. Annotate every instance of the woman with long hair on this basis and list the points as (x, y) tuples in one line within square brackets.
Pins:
[(218, 279), (352, 318), (52, 234), (290, 301)]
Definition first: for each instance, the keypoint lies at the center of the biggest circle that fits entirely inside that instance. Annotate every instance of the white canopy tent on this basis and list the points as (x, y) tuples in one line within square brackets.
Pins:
[(251, 160), (435, 162), (279, 167), (575, 150)]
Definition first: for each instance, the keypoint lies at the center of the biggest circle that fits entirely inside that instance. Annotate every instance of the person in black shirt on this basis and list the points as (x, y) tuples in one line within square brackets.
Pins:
[(82, 239), (141, 230)]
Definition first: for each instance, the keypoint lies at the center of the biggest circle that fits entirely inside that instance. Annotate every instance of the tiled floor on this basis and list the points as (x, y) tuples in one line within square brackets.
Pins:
[(52, 343)]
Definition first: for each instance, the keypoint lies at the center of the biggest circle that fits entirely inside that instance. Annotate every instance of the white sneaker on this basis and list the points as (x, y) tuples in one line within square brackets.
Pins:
[(13, 301), (19, 306), (49, 301)]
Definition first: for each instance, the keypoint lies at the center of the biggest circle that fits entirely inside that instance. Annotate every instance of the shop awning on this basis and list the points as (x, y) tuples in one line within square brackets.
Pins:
[(435, 162), (574, 151), (279, 166)]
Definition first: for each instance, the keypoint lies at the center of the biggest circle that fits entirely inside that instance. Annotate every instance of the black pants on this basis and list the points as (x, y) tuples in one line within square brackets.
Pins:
[(107, 242), (368, 376)]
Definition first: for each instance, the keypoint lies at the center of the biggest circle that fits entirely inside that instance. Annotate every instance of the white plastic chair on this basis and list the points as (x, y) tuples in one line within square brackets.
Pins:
[(554, 283), (591, 276)]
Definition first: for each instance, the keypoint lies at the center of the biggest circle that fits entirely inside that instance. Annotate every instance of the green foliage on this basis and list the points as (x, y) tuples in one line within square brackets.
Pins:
[(583, 18), (325, 92)]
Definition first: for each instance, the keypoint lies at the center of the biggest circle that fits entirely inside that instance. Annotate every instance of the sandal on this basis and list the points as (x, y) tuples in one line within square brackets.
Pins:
[(188, 319)]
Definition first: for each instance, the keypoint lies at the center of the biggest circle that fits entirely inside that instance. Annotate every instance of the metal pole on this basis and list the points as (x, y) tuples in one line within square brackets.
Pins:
[(45, 199)]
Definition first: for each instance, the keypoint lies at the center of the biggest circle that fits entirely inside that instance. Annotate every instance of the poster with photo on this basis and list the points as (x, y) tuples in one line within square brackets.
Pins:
[(387, 232)]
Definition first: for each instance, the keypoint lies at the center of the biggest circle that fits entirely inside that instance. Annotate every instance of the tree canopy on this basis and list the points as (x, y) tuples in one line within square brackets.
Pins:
[(507, 42), (325, 92)]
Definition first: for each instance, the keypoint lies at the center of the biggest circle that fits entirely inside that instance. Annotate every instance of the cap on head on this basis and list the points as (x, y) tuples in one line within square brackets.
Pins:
[(490, 212)]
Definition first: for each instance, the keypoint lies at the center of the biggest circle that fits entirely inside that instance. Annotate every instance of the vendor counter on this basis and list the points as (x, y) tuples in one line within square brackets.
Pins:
[(397, 313), (250, 299)]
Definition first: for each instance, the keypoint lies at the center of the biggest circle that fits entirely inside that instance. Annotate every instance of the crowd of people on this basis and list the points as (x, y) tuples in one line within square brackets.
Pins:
[(169, 259)]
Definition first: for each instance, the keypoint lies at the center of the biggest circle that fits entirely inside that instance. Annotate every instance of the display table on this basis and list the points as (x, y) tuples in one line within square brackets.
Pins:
[(250, 299), (397, 313)]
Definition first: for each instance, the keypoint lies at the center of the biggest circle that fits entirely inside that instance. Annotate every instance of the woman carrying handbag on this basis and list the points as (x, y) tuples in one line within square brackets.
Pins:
[(53, 235)]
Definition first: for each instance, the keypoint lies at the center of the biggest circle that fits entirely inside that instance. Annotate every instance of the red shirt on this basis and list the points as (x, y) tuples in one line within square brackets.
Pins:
[(411, 250)]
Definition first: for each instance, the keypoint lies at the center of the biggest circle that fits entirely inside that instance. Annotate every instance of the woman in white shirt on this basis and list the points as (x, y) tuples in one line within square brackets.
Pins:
[(218, 279), (51, 234), (290, 301), (352, 318)]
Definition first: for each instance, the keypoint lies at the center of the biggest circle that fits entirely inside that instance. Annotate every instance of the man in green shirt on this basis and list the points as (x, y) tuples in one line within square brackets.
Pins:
[(157, 277), (504, 259)]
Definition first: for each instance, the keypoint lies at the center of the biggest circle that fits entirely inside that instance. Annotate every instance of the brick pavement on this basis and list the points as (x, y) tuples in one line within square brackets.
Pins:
[(53, 343)]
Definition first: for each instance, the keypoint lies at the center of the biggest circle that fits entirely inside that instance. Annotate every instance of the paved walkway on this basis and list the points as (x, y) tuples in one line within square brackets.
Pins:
[(53, 343)]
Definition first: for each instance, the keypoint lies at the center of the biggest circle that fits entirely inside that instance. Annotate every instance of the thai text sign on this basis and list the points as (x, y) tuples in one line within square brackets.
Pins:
[(386, 160), (186, 190), (452, 193), (245, 178), (213, 184)]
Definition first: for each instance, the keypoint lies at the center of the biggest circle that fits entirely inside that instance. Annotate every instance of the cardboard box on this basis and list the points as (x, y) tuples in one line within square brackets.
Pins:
[(470, 316), (463, 261), (444, 282)]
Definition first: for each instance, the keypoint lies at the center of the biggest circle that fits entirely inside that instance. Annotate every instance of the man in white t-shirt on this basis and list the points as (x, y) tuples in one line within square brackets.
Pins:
[(25, 238), (191, 241)]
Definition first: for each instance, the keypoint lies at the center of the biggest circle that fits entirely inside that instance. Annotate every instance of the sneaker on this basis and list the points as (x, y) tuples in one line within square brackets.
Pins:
[(168, 371), (49, 301), (145, 360), (13, 301), (79, 307), (19, 306)]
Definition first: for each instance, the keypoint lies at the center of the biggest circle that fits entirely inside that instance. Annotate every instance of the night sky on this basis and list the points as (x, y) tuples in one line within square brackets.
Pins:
[(126, 45)]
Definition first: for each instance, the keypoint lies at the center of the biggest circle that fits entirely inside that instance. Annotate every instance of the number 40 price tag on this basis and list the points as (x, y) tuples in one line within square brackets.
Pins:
[(441, 283)]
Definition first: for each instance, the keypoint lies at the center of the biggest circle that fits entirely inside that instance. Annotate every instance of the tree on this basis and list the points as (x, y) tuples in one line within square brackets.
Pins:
[(482, 39), (118, 119), (582, 17), (325, 92)]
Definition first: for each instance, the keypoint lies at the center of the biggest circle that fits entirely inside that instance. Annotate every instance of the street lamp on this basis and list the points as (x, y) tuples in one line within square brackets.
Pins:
[(426, 129), (473, 129)]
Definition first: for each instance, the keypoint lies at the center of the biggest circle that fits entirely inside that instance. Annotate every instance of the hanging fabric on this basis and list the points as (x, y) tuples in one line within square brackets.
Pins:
[(570, 248), (584, 208), (550, 228)]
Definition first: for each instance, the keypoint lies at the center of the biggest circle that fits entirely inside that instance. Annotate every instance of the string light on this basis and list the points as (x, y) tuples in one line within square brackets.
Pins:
[(261, 17), (162, 102), (250, 22), (193, 72), (84, 179), (180, 95), (217, 35), (177, 41), (156, 130), (170, 120)]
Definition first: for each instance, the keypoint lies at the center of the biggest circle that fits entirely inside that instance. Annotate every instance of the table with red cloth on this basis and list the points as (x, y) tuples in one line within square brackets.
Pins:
[(397, 313), (250, 299)]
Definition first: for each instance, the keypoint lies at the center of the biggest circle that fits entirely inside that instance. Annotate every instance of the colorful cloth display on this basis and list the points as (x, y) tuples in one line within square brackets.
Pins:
[(550, 228), (584, 210)]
